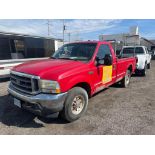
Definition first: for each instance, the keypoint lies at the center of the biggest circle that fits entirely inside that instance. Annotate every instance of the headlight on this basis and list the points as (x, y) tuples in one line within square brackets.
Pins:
[(48, 86)]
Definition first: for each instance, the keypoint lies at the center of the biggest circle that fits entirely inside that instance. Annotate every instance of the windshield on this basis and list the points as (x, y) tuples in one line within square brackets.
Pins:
[(76, 51)]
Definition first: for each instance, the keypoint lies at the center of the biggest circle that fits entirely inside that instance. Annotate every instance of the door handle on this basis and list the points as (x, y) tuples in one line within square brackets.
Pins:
[(114, 66)]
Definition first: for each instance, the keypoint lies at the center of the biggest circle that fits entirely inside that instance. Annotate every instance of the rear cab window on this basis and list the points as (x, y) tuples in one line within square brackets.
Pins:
[(139, 50), (131, 51), (127, 52)]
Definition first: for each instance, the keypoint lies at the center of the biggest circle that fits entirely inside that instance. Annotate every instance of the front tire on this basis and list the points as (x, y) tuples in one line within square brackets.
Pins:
[(126, 80), (75, 105)]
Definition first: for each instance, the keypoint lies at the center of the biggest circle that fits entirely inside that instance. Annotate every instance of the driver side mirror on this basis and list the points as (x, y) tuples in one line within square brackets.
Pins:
[(99, 61), (107, 60)]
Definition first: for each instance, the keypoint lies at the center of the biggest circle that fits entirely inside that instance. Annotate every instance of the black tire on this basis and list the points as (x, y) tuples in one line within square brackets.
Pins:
[(143, 72), (70, 112), (126, 80), (149, 66)]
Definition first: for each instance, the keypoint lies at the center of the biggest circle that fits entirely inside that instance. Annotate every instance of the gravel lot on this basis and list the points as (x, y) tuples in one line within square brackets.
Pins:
[(113, 111)]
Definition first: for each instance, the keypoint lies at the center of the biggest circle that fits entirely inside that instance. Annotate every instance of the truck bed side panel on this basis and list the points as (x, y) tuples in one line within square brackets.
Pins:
[(123, 64)]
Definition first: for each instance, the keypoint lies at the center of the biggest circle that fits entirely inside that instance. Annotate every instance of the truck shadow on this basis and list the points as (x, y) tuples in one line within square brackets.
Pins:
[(99, 92), (139, 75), (11, 115)]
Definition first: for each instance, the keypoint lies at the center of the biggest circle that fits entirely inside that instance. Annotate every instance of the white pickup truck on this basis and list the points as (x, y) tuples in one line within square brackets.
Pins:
[(141, 52)]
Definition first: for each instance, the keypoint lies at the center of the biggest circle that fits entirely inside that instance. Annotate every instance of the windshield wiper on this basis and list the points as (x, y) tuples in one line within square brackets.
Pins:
[(53, 57), (67, 58)]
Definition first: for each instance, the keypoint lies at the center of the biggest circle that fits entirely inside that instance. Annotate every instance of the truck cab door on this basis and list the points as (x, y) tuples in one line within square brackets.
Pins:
[(102, 73)]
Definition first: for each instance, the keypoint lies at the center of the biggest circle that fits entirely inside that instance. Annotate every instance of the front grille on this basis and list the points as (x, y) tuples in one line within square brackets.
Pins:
[(24, 82)]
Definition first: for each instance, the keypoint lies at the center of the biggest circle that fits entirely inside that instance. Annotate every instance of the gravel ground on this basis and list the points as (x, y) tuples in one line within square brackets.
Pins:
[(114, 111)]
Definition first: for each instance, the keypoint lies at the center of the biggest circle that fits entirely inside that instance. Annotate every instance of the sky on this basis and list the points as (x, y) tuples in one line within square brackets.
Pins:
[(78, 29)]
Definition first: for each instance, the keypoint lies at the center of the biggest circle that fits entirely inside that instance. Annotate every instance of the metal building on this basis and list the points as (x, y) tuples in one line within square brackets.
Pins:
[(18, 48), (127, 39)]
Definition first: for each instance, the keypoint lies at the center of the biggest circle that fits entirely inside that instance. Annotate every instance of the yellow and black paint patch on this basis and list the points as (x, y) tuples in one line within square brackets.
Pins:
[(107, 74)]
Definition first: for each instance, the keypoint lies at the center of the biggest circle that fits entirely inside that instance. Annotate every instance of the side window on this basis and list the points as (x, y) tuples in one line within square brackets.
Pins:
[(103, 50)]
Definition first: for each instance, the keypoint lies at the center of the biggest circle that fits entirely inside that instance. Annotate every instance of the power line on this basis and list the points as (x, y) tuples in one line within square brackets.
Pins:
[(39, 24), (49, 26)]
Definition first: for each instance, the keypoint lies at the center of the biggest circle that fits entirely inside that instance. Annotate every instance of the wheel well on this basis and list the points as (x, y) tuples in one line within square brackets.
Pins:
[(130, 68), (85, 86)]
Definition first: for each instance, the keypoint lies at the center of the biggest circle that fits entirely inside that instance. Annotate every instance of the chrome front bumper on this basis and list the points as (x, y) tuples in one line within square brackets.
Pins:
[(41, 104)]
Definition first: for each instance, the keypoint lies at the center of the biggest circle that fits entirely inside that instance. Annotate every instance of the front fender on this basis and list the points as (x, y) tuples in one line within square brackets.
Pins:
[(70, 83)]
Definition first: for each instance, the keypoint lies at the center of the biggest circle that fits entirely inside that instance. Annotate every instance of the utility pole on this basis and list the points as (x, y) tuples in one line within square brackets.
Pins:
[(64, 28)]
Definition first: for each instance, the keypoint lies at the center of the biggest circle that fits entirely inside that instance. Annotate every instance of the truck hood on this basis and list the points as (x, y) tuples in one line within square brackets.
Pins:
[(50, 69)]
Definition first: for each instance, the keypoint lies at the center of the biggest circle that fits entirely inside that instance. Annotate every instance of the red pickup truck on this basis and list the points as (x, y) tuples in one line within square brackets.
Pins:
[(63, 83)]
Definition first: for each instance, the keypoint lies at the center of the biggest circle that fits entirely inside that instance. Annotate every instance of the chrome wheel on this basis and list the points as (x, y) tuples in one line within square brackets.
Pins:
[(77, 105), (127, 78)]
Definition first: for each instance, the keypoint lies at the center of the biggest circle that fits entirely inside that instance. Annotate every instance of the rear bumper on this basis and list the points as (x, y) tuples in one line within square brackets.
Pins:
[(41, 104), (139, 70), (140, 67)]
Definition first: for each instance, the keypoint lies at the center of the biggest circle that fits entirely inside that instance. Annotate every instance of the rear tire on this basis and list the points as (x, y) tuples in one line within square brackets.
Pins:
[(126, 80), (149, 66), (143, 72), (75, 105)]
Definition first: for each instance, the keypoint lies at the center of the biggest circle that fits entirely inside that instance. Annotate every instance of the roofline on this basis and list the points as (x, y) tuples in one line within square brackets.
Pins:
[(134, 46), (113, 34), (26, 35), (147, 40), (121, 34)]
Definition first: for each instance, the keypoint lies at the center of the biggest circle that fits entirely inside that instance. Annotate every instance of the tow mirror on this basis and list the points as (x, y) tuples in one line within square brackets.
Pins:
[(99, 61), (108, 60)]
